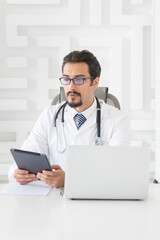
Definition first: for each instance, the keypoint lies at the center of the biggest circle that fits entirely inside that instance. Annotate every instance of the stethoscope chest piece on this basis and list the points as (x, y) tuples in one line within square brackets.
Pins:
[(98, 141)]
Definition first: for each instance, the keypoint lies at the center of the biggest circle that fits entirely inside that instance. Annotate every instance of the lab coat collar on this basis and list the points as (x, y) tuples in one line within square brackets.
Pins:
[(87, 113)]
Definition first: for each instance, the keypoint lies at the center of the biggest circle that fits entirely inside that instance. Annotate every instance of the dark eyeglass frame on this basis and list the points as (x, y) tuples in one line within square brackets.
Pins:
[(74, 80)]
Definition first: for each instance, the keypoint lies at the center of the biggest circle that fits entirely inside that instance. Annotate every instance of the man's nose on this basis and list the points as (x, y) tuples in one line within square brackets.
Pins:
[(72, 85)]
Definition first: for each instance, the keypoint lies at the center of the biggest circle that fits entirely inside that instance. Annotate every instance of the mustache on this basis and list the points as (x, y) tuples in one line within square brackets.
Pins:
[(74, 92)]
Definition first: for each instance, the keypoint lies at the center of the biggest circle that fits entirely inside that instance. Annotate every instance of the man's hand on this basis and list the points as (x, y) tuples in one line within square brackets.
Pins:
[(53, 178), (23, 176)]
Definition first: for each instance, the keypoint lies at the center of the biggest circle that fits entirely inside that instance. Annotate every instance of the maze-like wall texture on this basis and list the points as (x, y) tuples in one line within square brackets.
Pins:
[(35, 35)]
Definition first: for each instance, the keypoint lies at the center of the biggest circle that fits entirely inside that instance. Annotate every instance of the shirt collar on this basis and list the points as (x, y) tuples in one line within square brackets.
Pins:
[(88, 112)]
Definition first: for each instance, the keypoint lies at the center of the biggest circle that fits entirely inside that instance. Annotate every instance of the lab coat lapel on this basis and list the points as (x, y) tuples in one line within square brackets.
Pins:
[(88, 123), (70, 113), (70, 122)]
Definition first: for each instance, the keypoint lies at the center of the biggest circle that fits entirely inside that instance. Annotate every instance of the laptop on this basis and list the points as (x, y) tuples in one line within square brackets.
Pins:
[(107, 172)]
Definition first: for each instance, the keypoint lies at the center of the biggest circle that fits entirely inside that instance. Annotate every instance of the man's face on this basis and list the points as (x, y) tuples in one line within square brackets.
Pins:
[(79, 97)]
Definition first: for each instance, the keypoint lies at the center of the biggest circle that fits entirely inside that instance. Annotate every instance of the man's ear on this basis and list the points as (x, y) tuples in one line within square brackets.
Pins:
[(95, 82)]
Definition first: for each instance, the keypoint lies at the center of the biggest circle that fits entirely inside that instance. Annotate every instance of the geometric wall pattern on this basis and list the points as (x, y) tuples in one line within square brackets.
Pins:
[(35, 35), (157, 89)]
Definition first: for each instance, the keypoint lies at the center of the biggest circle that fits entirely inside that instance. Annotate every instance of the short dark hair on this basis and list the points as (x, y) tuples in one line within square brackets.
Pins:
[(84, 56)]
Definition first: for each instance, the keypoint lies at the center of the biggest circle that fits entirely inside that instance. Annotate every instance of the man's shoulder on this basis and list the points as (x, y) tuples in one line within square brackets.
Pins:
[(112, 113), (49, 112), (53, 108), (108, 109)]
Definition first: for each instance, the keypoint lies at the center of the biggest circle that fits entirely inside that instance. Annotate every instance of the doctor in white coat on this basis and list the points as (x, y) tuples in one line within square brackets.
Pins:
[(53, 132)]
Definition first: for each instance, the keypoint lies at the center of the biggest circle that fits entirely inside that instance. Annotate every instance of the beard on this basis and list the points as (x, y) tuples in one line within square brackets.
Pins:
[(75, 105), (72, 103)]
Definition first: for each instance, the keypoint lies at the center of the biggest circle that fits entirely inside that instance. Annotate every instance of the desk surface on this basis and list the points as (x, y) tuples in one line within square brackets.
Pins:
[(53, 217)]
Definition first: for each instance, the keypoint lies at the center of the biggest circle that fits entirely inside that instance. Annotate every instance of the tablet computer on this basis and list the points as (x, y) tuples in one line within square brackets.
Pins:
[(31, 161)]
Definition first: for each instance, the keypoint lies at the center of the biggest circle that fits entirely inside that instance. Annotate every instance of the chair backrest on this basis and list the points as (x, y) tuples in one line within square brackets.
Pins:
[(100, 92)]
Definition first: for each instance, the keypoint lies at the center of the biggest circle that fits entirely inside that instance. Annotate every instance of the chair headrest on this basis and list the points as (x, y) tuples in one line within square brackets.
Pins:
[(100, 92)]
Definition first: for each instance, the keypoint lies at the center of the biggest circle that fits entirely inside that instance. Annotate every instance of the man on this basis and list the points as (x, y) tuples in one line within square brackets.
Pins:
[(51, 135)]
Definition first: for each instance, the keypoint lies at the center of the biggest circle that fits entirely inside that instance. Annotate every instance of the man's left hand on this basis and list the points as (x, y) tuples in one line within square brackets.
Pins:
[(53, 178)]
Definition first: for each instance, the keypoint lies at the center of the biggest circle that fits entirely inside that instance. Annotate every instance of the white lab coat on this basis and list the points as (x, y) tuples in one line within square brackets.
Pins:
[(46, 138)]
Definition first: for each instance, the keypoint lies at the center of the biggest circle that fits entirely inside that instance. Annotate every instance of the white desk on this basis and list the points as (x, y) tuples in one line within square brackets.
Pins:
[(53, 217)]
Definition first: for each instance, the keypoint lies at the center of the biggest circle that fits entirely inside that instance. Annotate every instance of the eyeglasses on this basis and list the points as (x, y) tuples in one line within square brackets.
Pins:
[(76, 81)]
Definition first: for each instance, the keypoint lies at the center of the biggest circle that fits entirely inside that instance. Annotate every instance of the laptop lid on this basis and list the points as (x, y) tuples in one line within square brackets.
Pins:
[(107, 172)]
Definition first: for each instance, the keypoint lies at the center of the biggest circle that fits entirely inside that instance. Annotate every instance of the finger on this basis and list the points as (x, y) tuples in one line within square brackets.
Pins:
[(40, 175), (48, 179), (25, 179), (21, 171), (55, 167), (45, 176), (54, 181), (51, 182), (49, 173), (23, 182), (25, 175)]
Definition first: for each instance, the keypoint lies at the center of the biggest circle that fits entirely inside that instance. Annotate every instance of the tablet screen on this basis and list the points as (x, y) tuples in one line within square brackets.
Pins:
[(31, 161)]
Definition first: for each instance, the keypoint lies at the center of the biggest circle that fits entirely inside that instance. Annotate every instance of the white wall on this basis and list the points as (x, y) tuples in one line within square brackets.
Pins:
[(35, 35), (157, 88)]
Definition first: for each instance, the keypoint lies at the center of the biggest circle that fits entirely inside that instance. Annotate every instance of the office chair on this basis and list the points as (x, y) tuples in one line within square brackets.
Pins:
[(100, 92)]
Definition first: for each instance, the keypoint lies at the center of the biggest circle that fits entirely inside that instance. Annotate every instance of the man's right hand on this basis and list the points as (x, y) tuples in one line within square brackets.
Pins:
[(23, 176)]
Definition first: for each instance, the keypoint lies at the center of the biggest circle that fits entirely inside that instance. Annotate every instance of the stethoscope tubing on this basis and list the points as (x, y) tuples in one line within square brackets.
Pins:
[(98, 118), (63, 108), (98, 121)]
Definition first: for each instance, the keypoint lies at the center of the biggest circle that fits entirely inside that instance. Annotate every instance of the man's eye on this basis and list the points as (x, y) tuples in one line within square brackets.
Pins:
[(78, 79)]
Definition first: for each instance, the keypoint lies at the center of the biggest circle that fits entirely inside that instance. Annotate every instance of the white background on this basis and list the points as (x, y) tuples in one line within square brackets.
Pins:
[(35, 35)]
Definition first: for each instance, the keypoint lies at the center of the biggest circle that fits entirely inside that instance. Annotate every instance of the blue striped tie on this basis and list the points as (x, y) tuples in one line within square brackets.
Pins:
[(80, 119)]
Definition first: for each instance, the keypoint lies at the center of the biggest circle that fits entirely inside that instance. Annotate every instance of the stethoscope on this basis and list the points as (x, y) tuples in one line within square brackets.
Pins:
[(98, 140)]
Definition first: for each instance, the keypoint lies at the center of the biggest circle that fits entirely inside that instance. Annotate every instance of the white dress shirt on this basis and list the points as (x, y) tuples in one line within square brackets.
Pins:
[(53, 141)]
